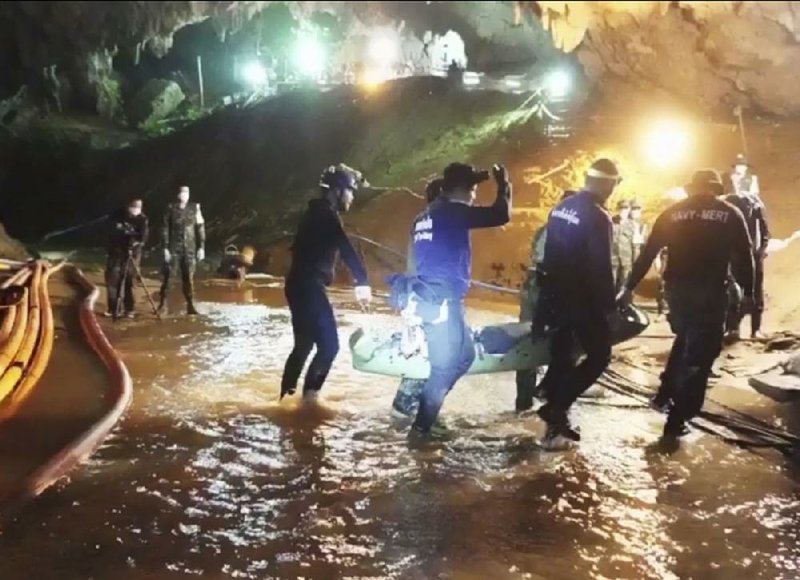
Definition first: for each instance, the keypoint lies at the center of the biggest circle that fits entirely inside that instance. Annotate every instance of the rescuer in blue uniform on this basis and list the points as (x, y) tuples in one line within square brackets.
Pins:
[(442, 264), (577, 297), (705, 238), (406, 400), (320, 236)]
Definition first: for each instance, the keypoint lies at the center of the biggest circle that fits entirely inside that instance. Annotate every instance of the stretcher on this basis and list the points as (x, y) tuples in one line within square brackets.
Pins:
[(498, 348)]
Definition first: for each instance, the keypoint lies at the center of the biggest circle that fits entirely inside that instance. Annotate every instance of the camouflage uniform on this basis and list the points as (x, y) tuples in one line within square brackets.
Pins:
[(629, 237), (529, 294), (183, 233), (616, 225)]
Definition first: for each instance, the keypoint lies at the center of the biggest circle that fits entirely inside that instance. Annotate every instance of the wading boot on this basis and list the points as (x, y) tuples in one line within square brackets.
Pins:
[(661, 402), (675, 428), (559, 435), (190, 309), (732, 337), (523, 403)]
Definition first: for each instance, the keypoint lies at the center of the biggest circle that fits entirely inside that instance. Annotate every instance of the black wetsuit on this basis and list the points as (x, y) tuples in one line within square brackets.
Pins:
[(319, 238), (705, 238)]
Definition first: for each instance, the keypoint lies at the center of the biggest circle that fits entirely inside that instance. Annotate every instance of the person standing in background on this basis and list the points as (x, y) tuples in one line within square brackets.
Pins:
[(183, 234), (746, 197), (622, 217), (127, 236)]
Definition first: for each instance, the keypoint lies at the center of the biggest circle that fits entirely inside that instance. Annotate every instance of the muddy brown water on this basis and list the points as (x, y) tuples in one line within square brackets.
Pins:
[(209, 476)]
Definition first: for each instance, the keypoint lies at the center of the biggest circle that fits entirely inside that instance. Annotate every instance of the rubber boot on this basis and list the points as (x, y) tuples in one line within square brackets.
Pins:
[(526, 385), (675, 428), (190, 309)]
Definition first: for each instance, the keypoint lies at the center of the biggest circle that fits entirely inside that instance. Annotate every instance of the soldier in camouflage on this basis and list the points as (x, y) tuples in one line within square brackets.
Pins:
[(184, 238), (623, 215), (528, 294), (630, 235), (527, 388)]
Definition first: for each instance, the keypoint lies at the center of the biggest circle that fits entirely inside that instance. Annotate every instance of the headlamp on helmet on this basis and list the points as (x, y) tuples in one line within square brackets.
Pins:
[(340, 177)]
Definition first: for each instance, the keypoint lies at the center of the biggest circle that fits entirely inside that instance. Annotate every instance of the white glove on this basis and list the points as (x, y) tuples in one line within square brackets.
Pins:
[(363, 294), (167, 256), (201, 254)]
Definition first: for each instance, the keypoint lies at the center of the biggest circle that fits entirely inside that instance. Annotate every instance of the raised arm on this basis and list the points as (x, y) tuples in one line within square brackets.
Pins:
[(497, 214)]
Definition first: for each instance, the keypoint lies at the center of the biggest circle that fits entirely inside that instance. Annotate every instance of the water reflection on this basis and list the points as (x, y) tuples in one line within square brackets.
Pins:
[(210, 476)]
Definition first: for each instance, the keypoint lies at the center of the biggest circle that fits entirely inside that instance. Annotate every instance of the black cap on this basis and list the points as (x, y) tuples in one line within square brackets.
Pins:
[(705, 181), (462, 175)]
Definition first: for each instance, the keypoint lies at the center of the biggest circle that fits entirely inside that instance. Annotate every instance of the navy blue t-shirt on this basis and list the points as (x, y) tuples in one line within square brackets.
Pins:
[(577, 253), (441, 242)]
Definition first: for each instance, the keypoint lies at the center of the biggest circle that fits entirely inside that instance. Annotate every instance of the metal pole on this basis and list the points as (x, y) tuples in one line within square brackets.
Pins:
[(200, 81), (738, 112)]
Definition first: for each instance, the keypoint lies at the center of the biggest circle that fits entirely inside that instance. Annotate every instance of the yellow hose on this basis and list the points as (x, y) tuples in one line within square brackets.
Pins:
[(41, 356), (11, 312), (15, 358), (120, 394), (8, 350)]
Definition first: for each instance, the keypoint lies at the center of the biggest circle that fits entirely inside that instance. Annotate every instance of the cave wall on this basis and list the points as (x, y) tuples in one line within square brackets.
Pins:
[(84, 39), (81, 39), (711, 54)]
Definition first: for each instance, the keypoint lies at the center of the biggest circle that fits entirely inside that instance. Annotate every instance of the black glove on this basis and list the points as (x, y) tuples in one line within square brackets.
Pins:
[(500, 175)]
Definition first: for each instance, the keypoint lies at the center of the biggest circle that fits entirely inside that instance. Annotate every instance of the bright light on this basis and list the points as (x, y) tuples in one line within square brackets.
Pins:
[(375, 76), (558, 84), (512, 82), (472, 78), (255, 74), (310, 57), (666, 143), (383, 49)]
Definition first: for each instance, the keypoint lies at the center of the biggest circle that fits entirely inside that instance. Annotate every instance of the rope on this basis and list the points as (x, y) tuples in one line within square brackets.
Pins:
[(397, 254), (745, 417), (765, 435)]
